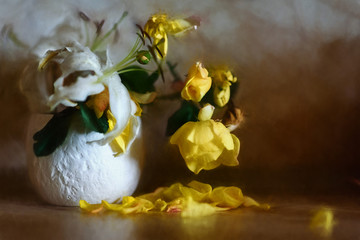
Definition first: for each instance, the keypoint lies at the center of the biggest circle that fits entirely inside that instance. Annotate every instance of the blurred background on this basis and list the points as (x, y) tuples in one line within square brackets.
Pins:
[(297, 63)]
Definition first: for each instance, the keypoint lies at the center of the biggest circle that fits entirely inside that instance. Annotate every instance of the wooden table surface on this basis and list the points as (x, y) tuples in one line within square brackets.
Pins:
[(24, 216)]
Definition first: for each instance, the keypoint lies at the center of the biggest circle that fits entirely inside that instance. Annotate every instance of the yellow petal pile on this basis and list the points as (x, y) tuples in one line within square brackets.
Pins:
[(197, 84), (222, 79), (159, 26), (196, 199)]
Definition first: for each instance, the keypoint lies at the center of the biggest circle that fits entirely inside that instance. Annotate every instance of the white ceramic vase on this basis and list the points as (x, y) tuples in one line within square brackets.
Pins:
[(81, 169)]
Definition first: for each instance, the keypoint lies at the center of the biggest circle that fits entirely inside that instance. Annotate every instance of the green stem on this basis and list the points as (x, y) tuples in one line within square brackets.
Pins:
[(133, 70), (98, 41), (125, 62)]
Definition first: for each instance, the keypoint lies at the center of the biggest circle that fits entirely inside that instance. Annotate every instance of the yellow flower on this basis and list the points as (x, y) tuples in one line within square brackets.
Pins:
[(206, 145), (222, 79), (159, 26), (197, 84)]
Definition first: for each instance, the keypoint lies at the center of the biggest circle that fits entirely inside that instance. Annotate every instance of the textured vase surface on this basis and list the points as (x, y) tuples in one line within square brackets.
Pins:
[(83, 169)]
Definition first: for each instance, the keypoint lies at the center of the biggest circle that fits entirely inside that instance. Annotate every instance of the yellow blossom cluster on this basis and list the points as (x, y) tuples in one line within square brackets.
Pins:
[(199, 82), (196, 199)]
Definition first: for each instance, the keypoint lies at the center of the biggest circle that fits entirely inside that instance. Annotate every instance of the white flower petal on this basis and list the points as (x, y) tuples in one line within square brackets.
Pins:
[(120, 107), (135, 129), (78, 91)]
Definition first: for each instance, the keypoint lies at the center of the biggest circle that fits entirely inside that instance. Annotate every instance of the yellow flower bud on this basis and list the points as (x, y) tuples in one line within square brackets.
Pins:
[(222, 94), (197, 84), (222, 79), (206, 145), (206, 112)]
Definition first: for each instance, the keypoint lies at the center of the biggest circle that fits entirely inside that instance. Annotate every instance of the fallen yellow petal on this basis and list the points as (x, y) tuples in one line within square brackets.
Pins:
[(195, 199), (228, 197), (197, 209), (323, 221), (92, 208)]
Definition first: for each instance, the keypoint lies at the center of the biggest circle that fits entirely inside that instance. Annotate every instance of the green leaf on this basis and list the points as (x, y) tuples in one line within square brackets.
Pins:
[(54, 133), (93, 123), (187, 112), (136, 79)]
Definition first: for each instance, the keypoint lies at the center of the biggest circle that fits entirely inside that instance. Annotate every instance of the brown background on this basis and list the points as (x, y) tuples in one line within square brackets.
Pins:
[(298, 67)]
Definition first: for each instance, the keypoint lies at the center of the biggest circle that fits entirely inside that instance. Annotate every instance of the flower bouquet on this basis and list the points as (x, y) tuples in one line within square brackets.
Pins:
[(90, 148)]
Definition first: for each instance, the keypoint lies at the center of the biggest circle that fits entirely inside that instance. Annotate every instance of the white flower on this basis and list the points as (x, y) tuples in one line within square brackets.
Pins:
[(82, 76)]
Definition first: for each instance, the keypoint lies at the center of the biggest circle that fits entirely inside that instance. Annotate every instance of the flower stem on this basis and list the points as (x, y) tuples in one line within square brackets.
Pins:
[(125, 62), (98, 42)]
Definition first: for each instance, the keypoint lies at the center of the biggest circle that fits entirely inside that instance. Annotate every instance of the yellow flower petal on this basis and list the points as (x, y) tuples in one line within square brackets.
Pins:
[(178, 26), (249, 202), (228, 197), (99, 102), (145, 98), (206, 145), (200, 133), (229, 157), (222, 76), (122, 142), (195, 209), (153, 196), (139, 205), (323, 221), (193, 194), (162, 44), (160, 205), (92, 208), (172, 192), (112, 207), (200, 187), (138, 111)]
